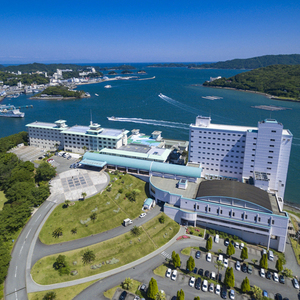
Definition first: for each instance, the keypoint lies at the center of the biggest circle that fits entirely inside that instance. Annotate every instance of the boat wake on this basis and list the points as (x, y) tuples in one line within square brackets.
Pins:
[(178, 104), (152, 122)]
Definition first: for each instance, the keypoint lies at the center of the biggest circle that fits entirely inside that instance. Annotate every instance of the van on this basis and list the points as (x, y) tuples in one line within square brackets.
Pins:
[(217, 239), (271, 255)]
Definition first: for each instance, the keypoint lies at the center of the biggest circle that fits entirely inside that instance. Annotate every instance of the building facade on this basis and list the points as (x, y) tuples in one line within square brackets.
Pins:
[(237, 152)]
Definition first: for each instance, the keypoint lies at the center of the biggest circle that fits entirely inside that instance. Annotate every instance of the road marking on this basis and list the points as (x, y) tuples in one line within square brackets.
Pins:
[(37, 218), (16, 271), (27, 234), (16, 294), (165, 254), (21, 250)]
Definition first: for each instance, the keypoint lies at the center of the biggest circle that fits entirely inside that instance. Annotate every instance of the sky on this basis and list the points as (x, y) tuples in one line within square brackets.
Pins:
[(146, 31)]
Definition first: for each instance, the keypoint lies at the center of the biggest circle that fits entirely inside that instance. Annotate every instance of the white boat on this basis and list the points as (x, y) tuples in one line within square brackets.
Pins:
[(107, 86), (112, 118), (96, 95)]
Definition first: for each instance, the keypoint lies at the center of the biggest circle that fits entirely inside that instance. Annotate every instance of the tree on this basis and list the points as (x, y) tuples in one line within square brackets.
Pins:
[(264, 261), (245, 287), (229, 277), (244, 253), (161, 295), (132, 196), (287, 272), (50, 296), (136, 231), (209, 243), (177, 262), (230, 250), (45, 172), (74, 230), (257, 292), (60, 262), (197, 298), (88, 257), (93, 216), (190, 264), (162, 219), (219, 266), (254, 261), (180, 295), (83, 194), (67, 203), (152, 289), (127, 283), (279, 266), (57, 232), (173, 256), (84, 148)]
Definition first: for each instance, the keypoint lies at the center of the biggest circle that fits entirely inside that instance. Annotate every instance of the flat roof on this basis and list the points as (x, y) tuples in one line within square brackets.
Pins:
[(104, 132), (234, 189), (44, 125)]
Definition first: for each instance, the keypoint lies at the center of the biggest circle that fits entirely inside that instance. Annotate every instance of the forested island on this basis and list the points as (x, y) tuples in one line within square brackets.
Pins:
[(282, 81), (59, 92), (248, 64)]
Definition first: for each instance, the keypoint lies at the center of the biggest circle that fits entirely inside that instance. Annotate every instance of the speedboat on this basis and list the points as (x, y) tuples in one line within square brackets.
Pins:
[(107, 86)]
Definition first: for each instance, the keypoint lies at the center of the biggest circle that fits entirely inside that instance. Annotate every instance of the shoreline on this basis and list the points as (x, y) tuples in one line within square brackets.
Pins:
[(254, 92)]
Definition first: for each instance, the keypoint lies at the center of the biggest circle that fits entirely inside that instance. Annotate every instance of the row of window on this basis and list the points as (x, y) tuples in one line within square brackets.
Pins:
[(218, 133)]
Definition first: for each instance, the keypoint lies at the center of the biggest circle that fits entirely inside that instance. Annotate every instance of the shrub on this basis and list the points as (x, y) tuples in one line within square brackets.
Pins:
[(162, 219), (120, 191), (50, 296), (108, 189)]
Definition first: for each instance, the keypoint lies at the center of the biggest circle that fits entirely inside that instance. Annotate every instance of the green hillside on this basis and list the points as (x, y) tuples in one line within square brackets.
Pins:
[(279, 80)]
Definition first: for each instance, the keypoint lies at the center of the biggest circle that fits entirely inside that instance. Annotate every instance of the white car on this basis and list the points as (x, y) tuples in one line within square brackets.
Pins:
[(211, 288), (168, 273), (275, 277), (236, 245), (204, 286), (238, 266), (192, 282), (208, 257), (143, 215), (225, 262), (262, 273), (220, 258), (218, 289), (213, 276), (231, 294), (217, 239), (242, 246), (174, 275)]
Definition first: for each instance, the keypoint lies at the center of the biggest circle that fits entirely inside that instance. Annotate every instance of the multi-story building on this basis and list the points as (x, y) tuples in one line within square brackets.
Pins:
[(243, 153), (78, 139)]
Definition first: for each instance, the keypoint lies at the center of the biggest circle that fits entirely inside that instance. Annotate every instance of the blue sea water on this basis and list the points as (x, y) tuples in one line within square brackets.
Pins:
[(138, 104)]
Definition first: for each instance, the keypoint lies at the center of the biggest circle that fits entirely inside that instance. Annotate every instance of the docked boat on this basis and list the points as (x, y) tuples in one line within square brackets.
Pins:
[(107, 86), (112, 118), (10, 111), (96, 95)]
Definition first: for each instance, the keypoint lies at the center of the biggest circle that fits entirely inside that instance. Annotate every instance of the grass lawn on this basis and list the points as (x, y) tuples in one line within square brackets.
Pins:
[(111, 207), (67, 293), (110, 293), (161, 270), (186, 251), (125, 248), (2, 199)]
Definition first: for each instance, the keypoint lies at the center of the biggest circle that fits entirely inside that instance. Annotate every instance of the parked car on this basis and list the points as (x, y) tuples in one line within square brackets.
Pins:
[(238, 266), (244, 268), (262, 273), (204, 286), (168, 273), (224, 292), (198, 254), (263, 251), (281, 279), (250, 269), (192, 282), (231, 294), (143, 215), (136, 297), (220, 257), (271, 255), (236, 245), (213, 276), (265, 293), (217, 238), (206, 274), (268, 275), (226, 242), (225, 262), (278, 296), (195, 270), (220, 278), (174, 275), (275, 277), (200, 272), (198, 283), (218, 289), (211, 288), (208, 257), (242, 246), (123, 295), (295, 283), (143, 287)]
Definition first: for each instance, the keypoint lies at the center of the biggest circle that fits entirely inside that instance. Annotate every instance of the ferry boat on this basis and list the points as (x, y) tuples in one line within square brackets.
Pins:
[(10, 111), (107, 86)]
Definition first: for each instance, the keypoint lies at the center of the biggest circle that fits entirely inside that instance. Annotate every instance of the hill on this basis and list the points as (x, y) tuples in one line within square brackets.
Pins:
[(278, 80), (253, 63)]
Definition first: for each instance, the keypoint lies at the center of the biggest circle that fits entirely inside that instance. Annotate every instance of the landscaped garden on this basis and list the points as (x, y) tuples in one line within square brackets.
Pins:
[(123, 198), (132, 289), (106, 255)]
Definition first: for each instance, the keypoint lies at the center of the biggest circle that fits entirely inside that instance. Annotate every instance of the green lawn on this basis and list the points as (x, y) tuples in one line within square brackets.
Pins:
[(67, 293), (111, 207), (126, 248), (2, 199), (161, 270), (110, 293)]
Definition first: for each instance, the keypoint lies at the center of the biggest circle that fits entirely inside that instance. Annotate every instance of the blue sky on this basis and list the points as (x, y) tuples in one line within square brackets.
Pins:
[(146, 31)]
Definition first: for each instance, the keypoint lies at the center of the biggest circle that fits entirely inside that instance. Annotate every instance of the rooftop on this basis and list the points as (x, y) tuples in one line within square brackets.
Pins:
[(43, 125)]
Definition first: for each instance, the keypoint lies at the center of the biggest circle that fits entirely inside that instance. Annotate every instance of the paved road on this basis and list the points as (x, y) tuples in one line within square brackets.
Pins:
[(143, 273)]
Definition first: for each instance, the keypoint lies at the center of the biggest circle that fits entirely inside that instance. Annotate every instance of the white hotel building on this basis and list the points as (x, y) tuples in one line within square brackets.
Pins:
[(258, 154), (50, 136)]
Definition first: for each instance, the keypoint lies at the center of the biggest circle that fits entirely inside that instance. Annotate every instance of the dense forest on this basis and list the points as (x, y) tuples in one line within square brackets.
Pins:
[(12, 80), (278, 80), (24, 187), (248, 63), (61, 91)]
